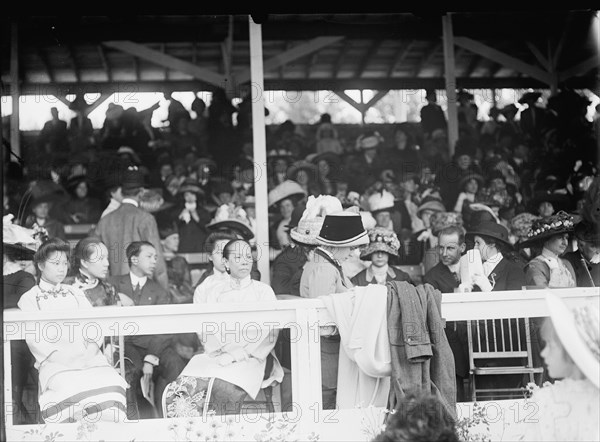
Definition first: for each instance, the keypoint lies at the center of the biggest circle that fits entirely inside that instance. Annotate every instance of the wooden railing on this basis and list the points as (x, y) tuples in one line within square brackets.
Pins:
[(304, 316)]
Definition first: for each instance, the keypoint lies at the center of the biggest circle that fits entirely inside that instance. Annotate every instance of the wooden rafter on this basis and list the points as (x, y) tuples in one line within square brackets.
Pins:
[(136, 68), (580, 68), (503, 58), (46, 63), (74, 62), (282, 67), (401, 54), (371, 51), (340, 58), (494, 69), (555, 57), (104, 61), (426, 59), (101, 99), (169, 62), (163, 49), (473, 64), (539, 56), (348, 99), (291, 55), (378, 96), (194, 52)]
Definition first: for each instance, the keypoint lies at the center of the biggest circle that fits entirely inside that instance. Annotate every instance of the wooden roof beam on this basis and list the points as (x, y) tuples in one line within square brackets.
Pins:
[(504, 59), (539, 57), (293, 54), (581, 68), (74, 62), (426, 59), (473, 65), (104, 61), (340, 58), (46, 63), (401, 54), (167, 61), (371, 51)]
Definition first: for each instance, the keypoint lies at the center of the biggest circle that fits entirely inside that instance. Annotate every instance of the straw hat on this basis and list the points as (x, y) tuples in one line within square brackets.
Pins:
[(521, 224), (310, 223), (381, 202), (441, 220), (287, 189), (343, 229), (230, 217), (381, 240), (578, 330), (543, 228)]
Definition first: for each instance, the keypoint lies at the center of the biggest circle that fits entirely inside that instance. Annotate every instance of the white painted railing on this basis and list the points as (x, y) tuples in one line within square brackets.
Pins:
[(302, 316)]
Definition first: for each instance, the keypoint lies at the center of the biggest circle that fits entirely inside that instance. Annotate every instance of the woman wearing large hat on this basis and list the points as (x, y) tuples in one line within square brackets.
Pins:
[(231, 219), (501, 272), (191, 216), (551, 236), (340, 234), (283, 199), (383, 247), (586, 259)]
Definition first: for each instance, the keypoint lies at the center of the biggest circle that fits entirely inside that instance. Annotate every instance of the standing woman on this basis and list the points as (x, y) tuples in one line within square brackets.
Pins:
[(548, 268), (70, 364), (232, 366)]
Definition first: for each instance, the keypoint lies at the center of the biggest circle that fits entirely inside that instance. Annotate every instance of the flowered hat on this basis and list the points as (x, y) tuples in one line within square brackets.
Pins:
[(230, 217), (490, 198), (381, 240), (310, 223), (441, 220), (543, 228), (578, 329), (521, 224)]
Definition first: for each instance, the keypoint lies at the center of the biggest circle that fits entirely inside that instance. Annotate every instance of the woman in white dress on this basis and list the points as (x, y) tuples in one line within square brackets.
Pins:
[(75, 378), (233, 365), (569, 409)]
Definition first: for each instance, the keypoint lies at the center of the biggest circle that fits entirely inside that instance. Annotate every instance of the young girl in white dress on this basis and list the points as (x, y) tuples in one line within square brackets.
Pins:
[(75, 378)]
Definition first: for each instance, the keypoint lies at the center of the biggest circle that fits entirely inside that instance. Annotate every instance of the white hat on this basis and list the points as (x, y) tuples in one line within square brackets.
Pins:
[(381, 201), (287, 189), (579, 332)]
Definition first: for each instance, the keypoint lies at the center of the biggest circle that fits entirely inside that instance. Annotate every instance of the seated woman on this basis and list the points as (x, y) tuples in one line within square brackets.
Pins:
[(567, 409), (383, 247), (232, 366), (71, 364), (551, 235)]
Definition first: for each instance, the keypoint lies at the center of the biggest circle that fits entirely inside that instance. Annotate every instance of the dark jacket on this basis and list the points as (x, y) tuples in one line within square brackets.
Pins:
[(421, 356), (508, 275), (287, 270), (582, 275), (393, 274), (442, 279)]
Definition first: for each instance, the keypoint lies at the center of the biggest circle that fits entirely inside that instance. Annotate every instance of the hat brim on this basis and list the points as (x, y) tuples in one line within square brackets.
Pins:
[(492, 235), (233, 224), (431, 205), (366, 253), (20, 251), (566, 329), (542, 237), (359, 240), (480, 180), (330, 157)]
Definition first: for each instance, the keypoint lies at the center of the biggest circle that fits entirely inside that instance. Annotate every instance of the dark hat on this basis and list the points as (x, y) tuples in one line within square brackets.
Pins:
[(544, 228), (464, 94), (530, 97), (332, 159), (168, 229), (510, 109), (470, 176), (74, 181), (220, 185), (343, 229), (587, 231), (296, 166), (191, 185), (47, 197), (491, 230), (17, 240), (132, 178), (296, 215)]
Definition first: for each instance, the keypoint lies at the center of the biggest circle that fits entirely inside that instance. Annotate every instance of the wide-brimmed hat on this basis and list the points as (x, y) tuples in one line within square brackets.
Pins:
[(296, 166), (310, 223), (430, 203), (441, 220), (530, 97), (381, 202), (490, 229), (509, 109), (471, 176), (464, 94), (230, 217), (491, 198), (287, 189), (332, 159), (75, 180), (152, 200), (168, 229), (587, 231), (543, 228), (369, 140), (191, 185), (521, 224), (17, 240), (578, 329), (343, 229), (207, 164), (381, 240), (126, 150)]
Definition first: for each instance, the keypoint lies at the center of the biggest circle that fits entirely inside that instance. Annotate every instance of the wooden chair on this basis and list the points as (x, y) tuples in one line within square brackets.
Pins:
[(499, 347)]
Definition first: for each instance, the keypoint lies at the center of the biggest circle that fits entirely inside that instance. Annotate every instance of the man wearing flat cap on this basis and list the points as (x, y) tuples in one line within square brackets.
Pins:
[(130, 223)]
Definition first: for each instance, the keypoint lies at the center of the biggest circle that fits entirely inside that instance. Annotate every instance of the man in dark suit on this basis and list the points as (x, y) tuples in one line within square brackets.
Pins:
[(129, 223), (144, 351), (53, 136), (445, 276), (586, 259)]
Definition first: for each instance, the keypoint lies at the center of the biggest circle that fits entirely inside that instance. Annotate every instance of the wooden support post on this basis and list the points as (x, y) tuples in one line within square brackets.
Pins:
[(260, 149), (450, 75), (15, 139)]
